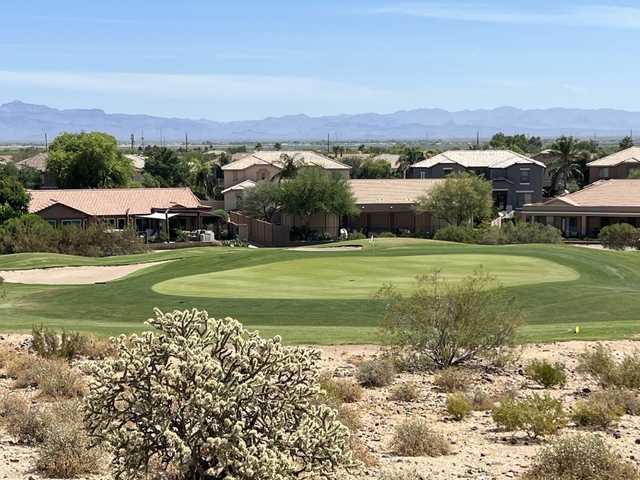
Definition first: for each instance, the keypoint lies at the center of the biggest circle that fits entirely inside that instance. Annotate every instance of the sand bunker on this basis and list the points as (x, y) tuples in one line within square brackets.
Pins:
[(72, 275)]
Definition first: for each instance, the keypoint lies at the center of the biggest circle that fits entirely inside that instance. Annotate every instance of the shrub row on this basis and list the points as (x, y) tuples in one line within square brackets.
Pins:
[(509, 233), (619, 236), (30, 233)]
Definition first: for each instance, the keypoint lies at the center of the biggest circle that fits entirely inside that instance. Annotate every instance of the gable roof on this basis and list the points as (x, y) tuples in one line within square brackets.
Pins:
[(240, 186), (138, 161), (392, 159), (38, 161), (114, 201), (603, 193), (306, 158), (629, 155), (478, 159), (391, 191)]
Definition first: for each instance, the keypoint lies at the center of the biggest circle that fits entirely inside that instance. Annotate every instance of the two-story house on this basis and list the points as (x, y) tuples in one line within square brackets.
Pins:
[(517, 180), (260, 166), (615, 166)]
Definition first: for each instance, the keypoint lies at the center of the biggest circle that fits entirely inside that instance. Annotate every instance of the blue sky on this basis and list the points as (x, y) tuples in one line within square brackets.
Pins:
[(228, 60)]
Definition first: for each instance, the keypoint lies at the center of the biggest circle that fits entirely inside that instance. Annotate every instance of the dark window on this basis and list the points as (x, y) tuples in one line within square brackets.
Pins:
[(525, 175), (447, 171)]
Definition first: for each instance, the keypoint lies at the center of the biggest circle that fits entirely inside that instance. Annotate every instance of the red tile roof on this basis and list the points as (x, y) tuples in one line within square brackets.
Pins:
[(114, 201)]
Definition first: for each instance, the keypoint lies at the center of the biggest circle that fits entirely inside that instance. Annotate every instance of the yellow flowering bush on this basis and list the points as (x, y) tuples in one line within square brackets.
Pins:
[(209, 399)]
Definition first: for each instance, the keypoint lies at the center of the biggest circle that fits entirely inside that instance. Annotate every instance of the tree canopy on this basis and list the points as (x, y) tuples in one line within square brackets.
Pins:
[(263, 201), (14, 199), (626, 142), (518, 143), (368, 168), (460, 199), (88, 160)]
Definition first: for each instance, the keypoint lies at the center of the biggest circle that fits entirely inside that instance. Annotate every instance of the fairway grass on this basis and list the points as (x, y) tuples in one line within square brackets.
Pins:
[(325, 297), (358, 276)]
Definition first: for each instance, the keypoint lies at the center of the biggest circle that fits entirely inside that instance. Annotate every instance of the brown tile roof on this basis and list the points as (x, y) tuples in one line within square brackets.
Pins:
[(391, 191), (38, 161), (307, 158), (114, 201), (603, 193), (629, 155)]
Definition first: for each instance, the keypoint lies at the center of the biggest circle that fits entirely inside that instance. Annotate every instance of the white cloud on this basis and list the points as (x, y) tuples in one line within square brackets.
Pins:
[(568, 15)]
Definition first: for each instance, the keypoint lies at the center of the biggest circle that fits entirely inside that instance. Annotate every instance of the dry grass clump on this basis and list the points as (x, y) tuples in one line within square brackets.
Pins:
[(414, 438), (452, 380), (341, 390), (97, 348), (23, 419), (53, 377), (601, 365), (458, 406), (6, 353), (350, 417), (66, 449), (580, 457), (536, 415), (378, 372), (627, 399), (405, 392), (401, 475), (600, 410), (22, 368), (546, 374)]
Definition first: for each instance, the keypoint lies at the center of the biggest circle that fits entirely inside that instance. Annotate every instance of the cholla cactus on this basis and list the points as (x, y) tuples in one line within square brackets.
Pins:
[(210, 400)]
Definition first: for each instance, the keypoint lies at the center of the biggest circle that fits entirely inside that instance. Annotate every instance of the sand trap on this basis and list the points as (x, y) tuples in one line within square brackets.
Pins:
[(72, 275), (346, 248)]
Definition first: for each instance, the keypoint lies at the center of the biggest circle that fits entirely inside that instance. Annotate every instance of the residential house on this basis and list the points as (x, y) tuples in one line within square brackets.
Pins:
[(548, 157), (146, 208), (389, 205), (517, 180), (39, 163), (615, 166), (393, 159), (585, 212), (265, 166)]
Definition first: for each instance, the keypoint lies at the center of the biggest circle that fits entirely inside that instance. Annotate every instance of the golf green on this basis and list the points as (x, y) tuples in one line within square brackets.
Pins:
[(358, 276)]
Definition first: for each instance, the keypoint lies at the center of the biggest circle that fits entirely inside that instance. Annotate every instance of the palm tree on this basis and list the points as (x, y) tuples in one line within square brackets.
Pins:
[(290, 166), (410, 156), (567, 166)]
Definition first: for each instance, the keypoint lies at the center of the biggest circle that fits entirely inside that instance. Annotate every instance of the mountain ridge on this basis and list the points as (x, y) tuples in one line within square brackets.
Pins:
[(24, 122)]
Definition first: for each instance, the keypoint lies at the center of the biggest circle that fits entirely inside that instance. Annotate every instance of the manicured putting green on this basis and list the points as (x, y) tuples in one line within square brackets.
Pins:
[(357, 276)]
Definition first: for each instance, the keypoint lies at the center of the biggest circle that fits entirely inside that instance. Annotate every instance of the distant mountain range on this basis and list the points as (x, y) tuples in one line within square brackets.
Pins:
[(22, 122)]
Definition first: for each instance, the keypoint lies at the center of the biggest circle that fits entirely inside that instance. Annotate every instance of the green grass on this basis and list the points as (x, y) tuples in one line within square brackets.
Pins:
[(325, 297)]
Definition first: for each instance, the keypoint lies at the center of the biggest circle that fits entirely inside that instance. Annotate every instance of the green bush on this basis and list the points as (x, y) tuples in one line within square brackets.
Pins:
[(378, 372), (460, 234), (537, 415), (458, 406), (357, 236), (601, 365), (546, 374), (341, 390), (619, 236), (523, 232), (414, 438), (386, 235), (481, 401), (600, 410), (580, 457), (48, 343)]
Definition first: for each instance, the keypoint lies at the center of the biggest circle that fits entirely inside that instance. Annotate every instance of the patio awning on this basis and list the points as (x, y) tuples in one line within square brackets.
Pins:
[(158, 215)]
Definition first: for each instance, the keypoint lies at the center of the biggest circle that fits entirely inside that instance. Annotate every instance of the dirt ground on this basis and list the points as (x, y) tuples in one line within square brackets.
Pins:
[(72, 275), (479, 450)]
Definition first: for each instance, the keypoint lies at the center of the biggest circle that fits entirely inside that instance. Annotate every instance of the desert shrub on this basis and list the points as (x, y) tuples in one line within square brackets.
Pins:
[(66, 449), (377, 372), (458, 406), (22, 418), (400, 475), (6, 354), (546, 374), (600, 410), (601, 365), (341, 390), (96, 348), (580, 457), (405, 392), (414, 438), (28, 233), (536, 415), (619, 236), (361, 452), (452, 380), (449, 323), (628, 400), (523, 232), (481, 401), (457, 233), (48, 343), (55, 378), (188, 389), (350, 417), (22, 368)]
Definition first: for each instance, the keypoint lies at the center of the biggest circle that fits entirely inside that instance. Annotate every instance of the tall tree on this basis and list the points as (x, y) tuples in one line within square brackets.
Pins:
[(290, 164), (567, 166), (409, 156), (626, 142), (263, 201), (14, 199), (277, 146), (165, 166), (88, 160), (460, 199)]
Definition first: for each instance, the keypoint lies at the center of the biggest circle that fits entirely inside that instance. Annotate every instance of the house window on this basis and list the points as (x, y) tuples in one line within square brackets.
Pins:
[(524, 198), (122, 223), (72, 222), (604, 172), (447, 171), (423, 174), (263, 174), (53, 223), (525, 175)]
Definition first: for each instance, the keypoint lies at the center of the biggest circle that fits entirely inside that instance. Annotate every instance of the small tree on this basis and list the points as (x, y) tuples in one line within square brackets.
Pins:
[(619, 236), (209, 400), (626, 142), (263, 201), (460, 199), (449, 323)]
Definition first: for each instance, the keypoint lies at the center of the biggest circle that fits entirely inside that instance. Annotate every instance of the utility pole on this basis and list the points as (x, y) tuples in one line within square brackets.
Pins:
[(328, 145), (46, 142), (478, 139), (132, 142), (186, 142), (142, 139)]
